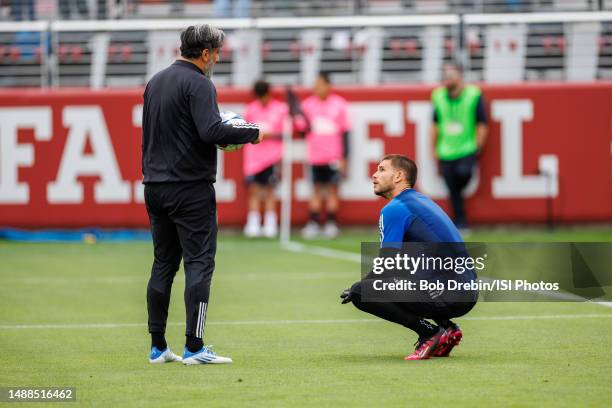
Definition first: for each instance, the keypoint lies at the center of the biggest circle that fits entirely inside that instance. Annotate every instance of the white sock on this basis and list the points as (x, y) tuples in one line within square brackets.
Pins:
[(254, 218), (270, 218)]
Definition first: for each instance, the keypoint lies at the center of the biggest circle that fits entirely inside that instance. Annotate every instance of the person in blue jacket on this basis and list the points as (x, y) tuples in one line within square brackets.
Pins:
[(412, 217)]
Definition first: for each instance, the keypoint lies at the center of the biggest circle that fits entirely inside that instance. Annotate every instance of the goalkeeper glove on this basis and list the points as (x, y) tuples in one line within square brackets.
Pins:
[(346, 296)]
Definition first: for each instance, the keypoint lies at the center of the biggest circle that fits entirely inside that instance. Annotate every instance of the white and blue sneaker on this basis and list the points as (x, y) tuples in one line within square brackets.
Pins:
[(204, 356), (166, 355)]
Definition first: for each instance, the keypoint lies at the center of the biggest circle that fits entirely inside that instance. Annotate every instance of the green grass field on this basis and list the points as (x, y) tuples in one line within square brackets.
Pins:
[(277, 314)]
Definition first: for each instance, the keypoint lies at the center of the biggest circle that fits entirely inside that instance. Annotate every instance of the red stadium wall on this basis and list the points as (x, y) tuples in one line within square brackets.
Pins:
[(71, 158)]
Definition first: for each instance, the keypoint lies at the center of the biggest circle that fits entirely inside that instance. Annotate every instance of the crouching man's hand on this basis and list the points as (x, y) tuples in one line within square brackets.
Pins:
[(346, 295)]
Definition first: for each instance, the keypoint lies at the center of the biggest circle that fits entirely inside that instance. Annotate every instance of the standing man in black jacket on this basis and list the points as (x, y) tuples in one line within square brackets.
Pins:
[(181, 125)]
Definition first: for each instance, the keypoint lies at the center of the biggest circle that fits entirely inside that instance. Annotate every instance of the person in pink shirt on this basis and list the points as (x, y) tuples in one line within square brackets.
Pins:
[(326, 124), (261, 162)]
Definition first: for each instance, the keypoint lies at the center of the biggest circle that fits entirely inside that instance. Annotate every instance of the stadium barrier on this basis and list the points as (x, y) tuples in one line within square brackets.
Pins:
[(356, 49), (71, 158)]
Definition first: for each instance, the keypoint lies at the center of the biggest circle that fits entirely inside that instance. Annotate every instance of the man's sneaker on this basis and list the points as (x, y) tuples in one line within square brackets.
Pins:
[(204, 356), (311, 230), (162, 356), (451, 338), (330, 230), (425, 347)]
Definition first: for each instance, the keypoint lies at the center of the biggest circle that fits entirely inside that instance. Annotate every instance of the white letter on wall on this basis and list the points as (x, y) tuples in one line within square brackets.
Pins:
[(14, 155), (512, 183), (87, 123), (363, 150), (138, 186)]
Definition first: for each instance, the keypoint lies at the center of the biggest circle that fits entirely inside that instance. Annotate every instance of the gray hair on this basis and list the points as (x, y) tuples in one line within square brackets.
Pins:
[(195, 39)]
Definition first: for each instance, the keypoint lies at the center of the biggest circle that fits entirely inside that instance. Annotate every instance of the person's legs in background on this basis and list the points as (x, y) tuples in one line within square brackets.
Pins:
[(270, 224), (312, 228), (457, 175), (463, 174), (325, 198), (252, 228), (448, 173), (330, 230), (261, 191), (463, 170)]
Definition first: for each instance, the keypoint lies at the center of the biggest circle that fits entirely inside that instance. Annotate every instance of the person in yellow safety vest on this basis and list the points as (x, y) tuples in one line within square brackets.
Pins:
[(459, 132)]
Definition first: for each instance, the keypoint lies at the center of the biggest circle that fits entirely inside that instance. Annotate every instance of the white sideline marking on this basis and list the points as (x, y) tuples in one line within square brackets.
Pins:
[(322, 251), (287, 322), (323, 274), (353, 257), (535, 317)]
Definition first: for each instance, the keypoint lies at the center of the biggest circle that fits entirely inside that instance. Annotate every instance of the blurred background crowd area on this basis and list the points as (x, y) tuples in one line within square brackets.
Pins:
[(126, 9), (121, 43)]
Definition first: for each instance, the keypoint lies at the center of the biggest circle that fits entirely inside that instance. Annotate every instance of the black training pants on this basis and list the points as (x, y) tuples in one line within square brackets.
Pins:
[(183, 219), (457, 175), (411, 314)]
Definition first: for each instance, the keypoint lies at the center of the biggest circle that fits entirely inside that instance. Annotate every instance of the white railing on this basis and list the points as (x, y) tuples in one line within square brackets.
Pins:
[(307, 22), (374, 48)]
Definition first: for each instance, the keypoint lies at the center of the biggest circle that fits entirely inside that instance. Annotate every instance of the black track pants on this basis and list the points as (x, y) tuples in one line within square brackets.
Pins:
[(183, 219)]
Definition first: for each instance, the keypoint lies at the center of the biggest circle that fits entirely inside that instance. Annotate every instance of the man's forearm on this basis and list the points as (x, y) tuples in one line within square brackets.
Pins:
[(345, 144), (222, 133), (482, 132), (434, 138)]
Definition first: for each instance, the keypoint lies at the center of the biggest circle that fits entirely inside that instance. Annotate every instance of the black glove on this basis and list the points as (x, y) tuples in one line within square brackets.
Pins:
[(346, 296)]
